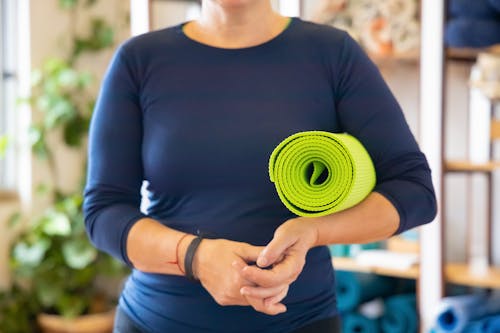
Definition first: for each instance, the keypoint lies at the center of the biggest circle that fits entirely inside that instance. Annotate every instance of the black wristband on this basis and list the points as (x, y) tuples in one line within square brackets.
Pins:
[(188, 259)]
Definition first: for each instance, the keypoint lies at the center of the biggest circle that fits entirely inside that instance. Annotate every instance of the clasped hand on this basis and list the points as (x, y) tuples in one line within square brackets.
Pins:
[(226, 271)]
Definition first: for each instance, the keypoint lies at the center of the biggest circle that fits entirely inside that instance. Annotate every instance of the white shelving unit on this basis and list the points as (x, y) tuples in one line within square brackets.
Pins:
[(430, 286)]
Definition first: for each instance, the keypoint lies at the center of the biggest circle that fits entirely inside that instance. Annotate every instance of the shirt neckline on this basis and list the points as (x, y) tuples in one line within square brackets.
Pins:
[(180, 31)]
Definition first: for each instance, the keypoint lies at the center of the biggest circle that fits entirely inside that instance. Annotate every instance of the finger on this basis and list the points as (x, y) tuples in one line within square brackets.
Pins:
[(282, 273), (277, 298), (259, 305), (250, 253), (260, 292), (239, 265), (275, 249)]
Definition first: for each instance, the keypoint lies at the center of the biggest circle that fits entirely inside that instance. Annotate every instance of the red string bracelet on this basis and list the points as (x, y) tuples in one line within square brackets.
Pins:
[(176, 262)]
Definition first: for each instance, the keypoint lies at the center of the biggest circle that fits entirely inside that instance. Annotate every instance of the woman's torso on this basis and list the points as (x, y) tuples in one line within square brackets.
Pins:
[(211, 118)]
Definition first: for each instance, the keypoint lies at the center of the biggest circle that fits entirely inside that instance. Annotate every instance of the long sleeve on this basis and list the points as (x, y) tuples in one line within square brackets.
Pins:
[(115, 172), (368, 110)]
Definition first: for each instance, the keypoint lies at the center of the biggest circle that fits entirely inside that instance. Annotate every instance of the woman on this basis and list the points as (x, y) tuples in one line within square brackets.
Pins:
[(196, 110)]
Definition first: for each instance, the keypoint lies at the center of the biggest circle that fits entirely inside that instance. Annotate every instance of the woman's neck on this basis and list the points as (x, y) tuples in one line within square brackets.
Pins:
[(236, 26)]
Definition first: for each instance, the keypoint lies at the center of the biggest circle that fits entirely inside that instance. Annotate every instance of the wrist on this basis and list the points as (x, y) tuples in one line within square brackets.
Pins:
[(191, 251), (183, 245), (200, 258), (312, 240)]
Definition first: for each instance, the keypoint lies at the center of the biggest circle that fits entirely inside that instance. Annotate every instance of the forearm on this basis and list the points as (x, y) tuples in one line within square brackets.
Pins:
[(152, 247), (375, 218)]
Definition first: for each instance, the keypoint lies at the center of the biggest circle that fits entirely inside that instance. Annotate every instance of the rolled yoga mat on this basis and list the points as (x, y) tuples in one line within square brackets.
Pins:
[(318, 173), (400, 315), (481, 9), (455, 313), (485, 325), (355, 288), (357, 323), (339, 250), (462, 32)]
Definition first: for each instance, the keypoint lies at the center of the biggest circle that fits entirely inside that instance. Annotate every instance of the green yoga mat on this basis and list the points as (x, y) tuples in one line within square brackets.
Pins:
[(318, 173)]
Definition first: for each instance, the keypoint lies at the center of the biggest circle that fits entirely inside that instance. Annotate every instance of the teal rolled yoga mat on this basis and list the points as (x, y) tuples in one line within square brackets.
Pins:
[(455, 313), (357, 323), (355, 288), (400, 314), (317, 173), (489, 324), (339, 250)]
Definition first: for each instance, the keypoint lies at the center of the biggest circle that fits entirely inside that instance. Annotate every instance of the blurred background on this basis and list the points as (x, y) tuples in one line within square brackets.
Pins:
[(442, 62)]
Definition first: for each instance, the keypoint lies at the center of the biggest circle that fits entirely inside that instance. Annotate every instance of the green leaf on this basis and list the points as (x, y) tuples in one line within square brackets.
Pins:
[(68, 78), (53, 65), (74, 131), (43, 103), (101, 37), (14, 220), (48, 292), (51, 87), (85, 79), (36, 77), (109, 266), (18, 308), (42, 189), (78, 254), (40, 150), (30, 255), (68, 4), (71, 306), (35, 134), (90, 3), (105, 36), (56, 224), (4, 142), (59, 112), (72, 204)]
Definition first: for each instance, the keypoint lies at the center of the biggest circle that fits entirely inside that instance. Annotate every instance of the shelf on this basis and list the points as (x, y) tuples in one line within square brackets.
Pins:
[(459, 274), (456, 273), (495, 129), (401, 58), (8, 196), (466, 166), (452, 53), (468, 54), (349, 264)]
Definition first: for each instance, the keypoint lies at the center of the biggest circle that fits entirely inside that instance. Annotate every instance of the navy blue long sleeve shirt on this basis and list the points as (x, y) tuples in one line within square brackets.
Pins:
[(199, 124)]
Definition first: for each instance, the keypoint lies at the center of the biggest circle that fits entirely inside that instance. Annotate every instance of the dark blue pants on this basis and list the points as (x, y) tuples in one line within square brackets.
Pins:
[(123, 324)]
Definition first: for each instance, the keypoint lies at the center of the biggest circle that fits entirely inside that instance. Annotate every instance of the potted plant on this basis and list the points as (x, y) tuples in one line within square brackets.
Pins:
[(58, 274), (60, 268)]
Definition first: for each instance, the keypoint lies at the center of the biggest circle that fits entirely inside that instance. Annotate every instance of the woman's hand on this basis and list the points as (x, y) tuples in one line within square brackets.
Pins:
[(215, 263), (285, 257), (265, 300)]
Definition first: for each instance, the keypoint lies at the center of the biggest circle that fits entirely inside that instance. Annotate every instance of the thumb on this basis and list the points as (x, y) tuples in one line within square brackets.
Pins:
[(275, 250)]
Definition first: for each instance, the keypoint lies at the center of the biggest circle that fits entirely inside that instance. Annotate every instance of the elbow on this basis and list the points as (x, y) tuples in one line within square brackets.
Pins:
[(90, 214), (422, 207), (108, 216), (415, 202), (429, 202)]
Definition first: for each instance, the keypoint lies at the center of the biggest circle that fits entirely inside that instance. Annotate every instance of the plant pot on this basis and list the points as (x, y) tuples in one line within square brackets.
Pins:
[(92, 323)]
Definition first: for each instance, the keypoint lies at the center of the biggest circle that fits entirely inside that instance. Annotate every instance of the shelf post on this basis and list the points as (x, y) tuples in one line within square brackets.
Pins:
[(139, 16), (431, 141), (290, 7)]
